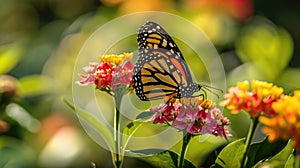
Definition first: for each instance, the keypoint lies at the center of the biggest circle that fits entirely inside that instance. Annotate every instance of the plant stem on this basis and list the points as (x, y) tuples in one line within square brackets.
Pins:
[(185, 140), (117, 138), (297, 160), (119, 93), (249, 137)]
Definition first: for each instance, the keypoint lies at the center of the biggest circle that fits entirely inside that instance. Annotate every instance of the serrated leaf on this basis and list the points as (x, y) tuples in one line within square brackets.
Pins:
[(105, 133), (263, 150), (231, 155)]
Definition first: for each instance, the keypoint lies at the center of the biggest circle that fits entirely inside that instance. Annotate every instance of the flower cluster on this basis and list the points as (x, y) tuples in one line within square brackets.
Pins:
[(193, 115), (255, 102), (286, 123), (113, 70)]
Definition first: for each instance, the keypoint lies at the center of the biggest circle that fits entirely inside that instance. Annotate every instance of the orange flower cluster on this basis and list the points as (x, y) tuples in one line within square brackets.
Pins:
[(255, 102), (286, 123)]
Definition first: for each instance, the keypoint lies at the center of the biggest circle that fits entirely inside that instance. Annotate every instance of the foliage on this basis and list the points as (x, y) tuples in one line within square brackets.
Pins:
[(39, 44)]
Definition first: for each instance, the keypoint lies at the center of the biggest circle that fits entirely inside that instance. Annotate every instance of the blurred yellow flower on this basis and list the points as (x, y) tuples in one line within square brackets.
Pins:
[(111, 2), (131, 6), (286, 123), (239, 9)]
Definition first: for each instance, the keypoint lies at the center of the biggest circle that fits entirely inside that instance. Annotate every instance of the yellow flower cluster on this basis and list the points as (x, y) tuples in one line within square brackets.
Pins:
[(255, 101), (286, 123), (265, 89), (116, 59)]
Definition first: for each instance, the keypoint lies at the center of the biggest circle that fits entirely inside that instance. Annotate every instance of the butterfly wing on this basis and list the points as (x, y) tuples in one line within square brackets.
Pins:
[(152, 35), (160, 69), (154, 75)]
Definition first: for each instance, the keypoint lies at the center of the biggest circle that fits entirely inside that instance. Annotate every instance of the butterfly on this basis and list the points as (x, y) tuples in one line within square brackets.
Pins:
[(160, 70)]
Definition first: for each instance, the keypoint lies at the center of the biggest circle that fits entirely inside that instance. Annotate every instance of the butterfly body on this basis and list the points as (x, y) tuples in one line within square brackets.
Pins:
[(161, 70)]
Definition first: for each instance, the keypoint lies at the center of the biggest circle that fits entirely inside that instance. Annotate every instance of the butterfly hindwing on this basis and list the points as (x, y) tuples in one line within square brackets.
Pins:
[(155, 78)]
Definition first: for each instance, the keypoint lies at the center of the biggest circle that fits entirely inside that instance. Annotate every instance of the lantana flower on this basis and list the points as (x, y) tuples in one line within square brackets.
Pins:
[(286, 122), (256, 101), (113, 75), (112, 71), (193, 115)]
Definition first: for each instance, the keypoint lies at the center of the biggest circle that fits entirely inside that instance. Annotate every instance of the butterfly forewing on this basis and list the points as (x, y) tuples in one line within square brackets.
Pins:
[(152, 35), (160, 69)]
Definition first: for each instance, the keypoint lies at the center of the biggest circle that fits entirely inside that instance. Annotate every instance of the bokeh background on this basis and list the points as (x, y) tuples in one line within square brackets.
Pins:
[(40, 40)]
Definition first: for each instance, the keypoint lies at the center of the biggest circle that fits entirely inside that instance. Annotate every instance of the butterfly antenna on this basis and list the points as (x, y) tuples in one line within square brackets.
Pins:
[(211, 88)]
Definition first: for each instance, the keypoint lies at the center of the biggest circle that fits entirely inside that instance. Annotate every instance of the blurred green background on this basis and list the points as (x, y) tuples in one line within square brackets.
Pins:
[(40, 40)]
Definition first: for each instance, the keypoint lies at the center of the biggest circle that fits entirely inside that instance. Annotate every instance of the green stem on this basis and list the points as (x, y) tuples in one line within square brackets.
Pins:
[(296, 160), (117, 138), (249, 137), (185, 141), (119, 93)]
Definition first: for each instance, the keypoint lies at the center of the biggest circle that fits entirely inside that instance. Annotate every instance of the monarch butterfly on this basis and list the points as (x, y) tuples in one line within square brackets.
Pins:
[(160, 70)]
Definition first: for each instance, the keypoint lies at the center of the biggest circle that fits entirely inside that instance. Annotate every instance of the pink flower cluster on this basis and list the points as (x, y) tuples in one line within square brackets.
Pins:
[(193, 119), (106, 75)]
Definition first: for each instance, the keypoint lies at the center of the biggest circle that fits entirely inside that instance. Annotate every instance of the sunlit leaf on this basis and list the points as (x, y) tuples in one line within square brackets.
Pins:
[(9, 57), (231, 155), (97, 125), (267, 46), (128, 132), (290, 162), (34, 85)]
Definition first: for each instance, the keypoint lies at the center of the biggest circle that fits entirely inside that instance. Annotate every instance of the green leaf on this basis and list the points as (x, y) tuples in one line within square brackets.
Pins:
[(34, 85), (211, 158), (15, 153), (267, 46), (128, 131), (9, 56), (289, 163), (165, 159), (144, 115), (231, 155), (263, 150), (284, 158), (289, 79), (98, 126)]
